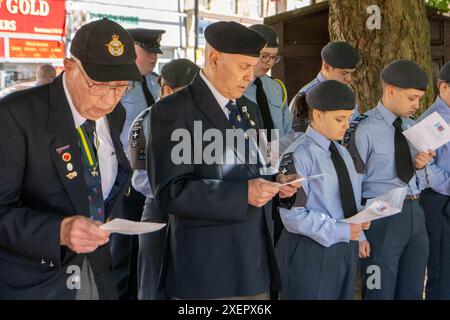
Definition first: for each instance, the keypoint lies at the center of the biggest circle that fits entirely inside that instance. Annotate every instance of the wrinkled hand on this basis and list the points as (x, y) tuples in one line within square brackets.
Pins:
[(355, 231), (261, 191), (82, 235), (423, 158), (290, 189), (364, 249)]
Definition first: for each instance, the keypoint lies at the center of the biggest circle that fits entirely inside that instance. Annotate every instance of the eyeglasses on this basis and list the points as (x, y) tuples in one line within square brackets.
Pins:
[(266, 58), (98, 90)]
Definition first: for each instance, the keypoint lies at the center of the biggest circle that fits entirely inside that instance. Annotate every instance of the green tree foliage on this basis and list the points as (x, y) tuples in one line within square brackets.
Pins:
[(441, 5)]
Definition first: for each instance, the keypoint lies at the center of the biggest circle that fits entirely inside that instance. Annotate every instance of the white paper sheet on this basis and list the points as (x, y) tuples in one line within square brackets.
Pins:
[(303, 179), (128, 227), (429, 134), (381, 207)]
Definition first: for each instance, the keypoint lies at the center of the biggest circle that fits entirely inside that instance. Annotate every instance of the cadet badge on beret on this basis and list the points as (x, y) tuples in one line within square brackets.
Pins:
[(115, 47)]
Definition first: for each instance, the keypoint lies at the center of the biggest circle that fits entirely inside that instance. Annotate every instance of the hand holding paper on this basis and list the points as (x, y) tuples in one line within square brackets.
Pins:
[(429, 134), (128, 227), (381, 207)]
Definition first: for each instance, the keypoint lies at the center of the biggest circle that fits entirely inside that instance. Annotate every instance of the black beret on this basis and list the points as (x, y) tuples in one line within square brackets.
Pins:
[(179, 72), (233, 37), (405, 74), (106, 52), (268, 33), (331, 95), (340, 55), (148, 39), (444, 73)]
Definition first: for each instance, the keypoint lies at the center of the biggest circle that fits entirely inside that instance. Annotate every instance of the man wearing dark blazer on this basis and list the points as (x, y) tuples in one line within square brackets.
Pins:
[(219, 243), (63, 172)]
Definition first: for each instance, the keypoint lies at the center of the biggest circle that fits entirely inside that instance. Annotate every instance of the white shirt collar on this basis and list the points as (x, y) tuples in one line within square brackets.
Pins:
[(221, 100)]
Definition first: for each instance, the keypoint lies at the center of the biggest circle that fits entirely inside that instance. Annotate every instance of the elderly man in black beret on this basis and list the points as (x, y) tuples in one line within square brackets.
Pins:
[(219, 242)]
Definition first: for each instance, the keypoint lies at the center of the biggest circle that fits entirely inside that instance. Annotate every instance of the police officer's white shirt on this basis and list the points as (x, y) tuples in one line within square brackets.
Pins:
[(105, 151), (221, 100)]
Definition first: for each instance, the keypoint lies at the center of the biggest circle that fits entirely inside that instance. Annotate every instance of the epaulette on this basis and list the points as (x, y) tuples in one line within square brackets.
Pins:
[(352, 128), (283, 87)]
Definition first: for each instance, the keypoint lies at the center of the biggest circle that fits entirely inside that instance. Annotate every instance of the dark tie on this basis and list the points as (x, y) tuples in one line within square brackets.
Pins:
[(261, 100), (92, 179), (235, 117), (148, 95), (403, 160), (345, 184)]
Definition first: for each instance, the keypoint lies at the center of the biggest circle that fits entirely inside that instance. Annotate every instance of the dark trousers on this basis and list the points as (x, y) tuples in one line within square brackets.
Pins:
[(124, 249), (399, 250), (437, 218), (150, 257), (311, 271)]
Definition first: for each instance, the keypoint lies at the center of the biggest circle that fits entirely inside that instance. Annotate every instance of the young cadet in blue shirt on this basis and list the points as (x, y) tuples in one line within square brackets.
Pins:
[(175, 75), (268, 93), (124, 248), (318, 253), (399, 244), (339, 62), (435, 201)]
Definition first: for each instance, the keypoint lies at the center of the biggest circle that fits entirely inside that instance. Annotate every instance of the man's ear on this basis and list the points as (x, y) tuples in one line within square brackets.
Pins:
[(390, 91), (213, 60), (167, 91), (68, 64)]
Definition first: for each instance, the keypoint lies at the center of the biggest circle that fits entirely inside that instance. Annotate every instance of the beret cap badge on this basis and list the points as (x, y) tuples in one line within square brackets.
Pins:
[(115, 47)]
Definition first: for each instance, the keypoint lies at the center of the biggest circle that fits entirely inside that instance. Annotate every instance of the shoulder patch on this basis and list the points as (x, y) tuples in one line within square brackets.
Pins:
[(138, 145), (287, 165)]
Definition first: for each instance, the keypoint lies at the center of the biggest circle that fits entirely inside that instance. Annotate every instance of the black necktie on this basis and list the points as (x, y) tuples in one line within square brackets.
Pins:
[(345, 184), (261, 100), (403, 160), (235, 117), (92, 179), (148, 96)]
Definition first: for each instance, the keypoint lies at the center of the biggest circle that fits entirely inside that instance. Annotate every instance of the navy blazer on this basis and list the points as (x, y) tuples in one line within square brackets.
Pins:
[(36, 195), (217, 245)]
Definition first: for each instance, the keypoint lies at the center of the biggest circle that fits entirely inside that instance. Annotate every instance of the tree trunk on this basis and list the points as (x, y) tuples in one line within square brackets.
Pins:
[(404, 33)]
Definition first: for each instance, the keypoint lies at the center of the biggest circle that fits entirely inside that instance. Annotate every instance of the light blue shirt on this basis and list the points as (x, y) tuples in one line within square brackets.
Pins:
[(319, 219), (441, 163), (320, 78), (134, 103), (139, 180), (375, 140), (281, 117)]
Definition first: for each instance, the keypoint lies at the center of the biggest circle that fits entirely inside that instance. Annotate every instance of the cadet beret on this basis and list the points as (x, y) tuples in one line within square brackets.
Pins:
[(106, 52), (179, 72), (148, 39), (233, 37), (267, 33), (331, 95), (340, 55), (405, 74), (444, 74)]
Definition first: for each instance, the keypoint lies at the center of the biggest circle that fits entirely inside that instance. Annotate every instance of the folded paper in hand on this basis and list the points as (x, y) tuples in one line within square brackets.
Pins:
[(128, 227), (429, 134), (303, 179), (381, 207)]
